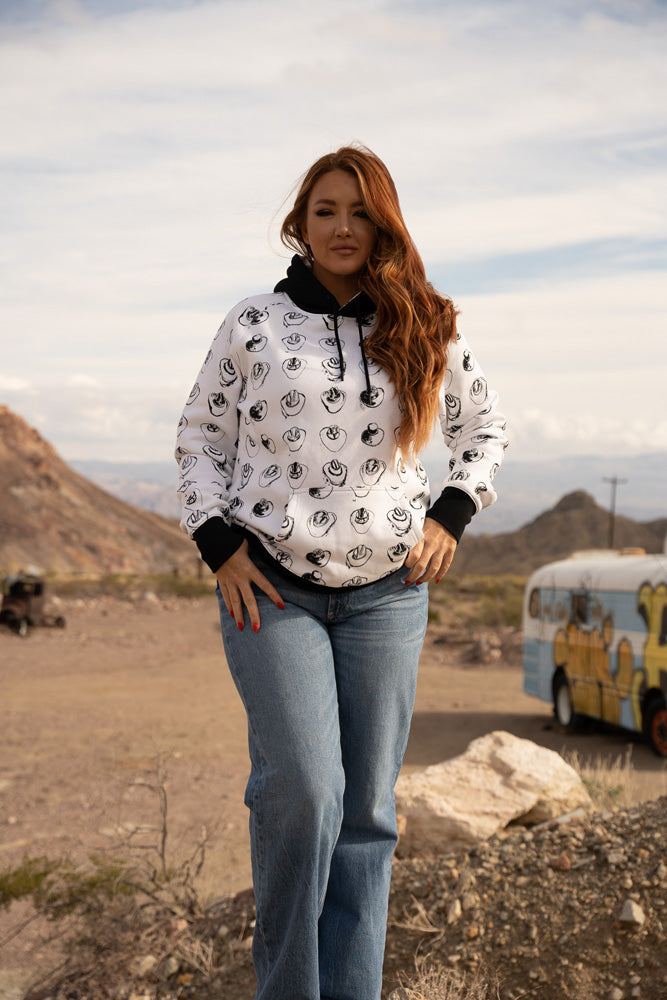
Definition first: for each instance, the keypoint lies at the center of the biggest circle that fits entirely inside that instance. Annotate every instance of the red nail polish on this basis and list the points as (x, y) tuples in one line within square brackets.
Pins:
[(281, 605), (231, 613), (240, 625), (255, 628)]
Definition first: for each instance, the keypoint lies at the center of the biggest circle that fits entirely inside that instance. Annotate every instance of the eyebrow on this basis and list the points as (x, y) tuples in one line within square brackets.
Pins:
[(332, 201)]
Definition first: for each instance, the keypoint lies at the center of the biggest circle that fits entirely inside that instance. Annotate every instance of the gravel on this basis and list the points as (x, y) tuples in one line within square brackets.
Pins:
[(576, 908)]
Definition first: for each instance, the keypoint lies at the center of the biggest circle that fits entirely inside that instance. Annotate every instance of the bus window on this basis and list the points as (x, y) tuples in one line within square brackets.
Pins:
[(534, 603)]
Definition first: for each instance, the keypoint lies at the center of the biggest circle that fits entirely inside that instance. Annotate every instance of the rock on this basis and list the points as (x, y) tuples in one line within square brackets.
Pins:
[(170, 967), (632, 914), (143, 965), (498, 779)]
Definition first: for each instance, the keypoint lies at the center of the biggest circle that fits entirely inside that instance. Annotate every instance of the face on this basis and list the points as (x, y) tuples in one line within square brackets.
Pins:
[(339, 233)]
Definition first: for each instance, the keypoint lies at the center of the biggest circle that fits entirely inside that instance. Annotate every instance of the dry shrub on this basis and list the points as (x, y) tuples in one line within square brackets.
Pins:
[(433, 981), (616, 782)]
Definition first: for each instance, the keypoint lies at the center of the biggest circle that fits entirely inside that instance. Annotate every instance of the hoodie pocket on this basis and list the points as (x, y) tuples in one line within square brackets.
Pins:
[(366, 531)]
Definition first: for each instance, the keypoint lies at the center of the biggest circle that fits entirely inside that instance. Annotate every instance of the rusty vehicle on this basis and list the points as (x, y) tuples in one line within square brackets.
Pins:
[(24, 604)]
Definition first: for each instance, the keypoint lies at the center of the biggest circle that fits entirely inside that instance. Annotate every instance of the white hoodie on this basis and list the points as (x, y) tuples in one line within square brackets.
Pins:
[(289, 433)]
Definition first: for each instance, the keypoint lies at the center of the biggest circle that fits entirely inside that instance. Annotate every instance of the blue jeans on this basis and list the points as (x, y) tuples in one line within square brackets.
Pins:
[(328, 685)]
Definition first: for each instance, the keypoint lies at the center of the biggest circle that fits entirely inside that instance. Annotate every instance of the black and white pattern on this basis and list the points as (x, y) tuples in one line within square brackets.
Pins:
[(290, 432)]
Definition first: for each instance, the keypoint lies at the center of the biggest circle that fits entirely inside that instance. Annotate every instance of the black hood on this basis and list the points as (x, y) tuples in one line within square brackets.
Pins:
[(309, 294)]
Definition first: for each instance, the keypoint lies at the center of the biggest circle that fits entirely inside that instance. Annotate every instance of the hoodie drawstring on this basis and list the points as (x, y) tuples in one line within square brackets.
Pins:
[(366, 395), (365, 361), (341, 359)]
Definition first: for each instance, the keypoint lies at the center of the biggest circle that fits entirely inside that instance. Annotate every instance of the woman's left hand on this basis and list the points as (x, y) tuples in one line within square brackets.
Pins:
[(431, 557)]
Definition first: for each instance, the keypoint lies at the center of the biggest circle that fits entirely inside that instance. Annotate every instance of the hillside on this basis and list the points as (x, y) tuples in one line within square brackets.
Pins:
[(55, 519), (576, 522)]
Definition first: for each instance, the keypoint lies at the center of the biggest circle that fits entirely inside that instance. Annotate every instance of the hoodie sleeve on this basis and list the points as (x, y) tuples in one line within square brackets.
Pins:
[(474, 430), (206, 451)]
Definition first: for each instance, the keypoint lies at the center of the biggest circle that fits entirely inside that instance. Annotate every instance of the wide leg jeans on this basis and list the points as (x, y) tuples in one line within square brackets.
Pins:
[(328, 685)]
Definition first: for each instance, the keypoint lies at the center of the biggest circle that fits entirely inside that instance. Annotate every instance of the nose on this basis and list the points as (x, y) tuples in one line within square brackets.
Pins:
[(343, 227)]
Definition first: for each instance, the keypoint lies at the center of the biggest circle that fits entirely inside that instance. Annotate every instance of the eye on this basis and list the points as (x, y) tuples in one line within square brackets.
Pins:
[(321, 212), (361, 214)]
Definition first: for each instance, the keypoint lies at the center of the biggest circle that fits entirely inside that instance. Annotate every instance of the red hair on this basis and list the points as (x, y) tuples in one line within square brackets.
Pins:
[(414, 323)]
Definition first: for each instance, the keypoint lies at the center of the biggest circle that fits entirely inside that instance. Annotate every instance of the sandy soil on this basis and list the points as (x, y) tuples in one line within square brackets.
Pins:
[(86, 711)]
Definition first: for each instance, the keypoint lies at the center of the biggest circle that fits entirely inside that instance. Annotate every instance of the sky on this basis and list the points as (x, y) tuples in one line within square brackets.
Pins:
[(148, 151)]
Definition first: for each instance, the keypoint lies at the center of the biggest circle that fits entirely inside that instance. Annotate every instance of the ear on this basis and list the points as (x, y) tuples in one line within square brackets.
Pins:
[(303, 232)]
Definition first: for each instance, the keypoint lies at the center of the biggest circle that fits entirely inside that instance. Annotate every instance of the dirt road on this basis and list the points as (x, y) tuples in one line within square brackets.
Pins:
[(86, 711)]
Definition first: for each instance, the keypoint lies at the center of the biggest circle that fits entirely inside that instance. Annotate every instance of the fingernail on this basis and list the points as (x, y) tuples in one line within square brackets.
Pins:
[(255, 627), (240, 625), (231, 613), (438, 580), (281, 605)]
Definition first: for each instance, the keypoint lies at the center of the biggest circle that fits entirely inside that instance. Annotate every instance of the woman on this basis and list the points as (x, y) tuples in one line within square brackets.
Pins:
[(302, 487)]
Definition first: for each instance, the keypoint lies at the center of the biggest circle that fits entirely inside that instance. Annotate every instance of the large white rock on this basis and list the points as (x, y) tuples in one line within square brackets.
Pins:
[(499, 778)]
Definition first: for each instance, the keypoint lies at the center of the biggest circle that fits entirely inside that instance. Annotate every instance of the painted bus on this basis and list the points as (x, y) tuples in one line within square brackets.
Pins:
[(595, 640)]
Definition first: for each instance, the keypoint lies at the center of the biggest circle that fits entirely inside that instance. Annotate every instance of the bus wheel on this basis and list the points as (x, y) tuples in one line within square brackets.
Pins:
[(655, 726), (563, 710)]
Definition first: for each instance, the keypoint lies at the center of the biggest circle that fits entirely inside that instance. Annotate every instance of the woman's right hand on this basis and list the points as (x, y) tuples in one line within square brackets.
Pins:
[(235, 577)]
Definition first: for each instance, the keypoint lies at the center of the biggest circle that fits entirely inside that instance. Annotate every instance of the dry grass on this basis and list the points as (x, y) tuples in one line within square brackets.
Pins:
[(616, 782), (492, 601), (128, 585), (432, 981)]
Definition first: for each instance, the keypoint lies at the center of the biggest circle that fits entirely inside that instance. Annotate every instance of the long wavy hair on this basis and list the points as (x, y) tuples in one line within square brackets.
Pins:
[(414, 323)]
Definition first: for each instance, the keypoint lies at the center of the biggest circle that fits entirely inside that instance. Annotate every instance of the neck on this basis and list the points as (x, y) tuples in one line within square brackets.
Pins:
[(343, 287)]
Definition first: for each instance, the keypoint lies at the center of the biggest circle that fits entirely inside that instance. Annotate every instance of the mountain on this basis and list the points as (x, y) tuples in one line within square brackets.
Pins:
[(149, 485), (576, 522), (53, 518)]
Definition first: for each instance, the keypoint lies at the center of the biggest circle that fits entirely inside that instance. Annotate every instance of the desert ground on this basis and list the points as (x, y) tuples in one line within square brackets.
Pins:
[(89, 712)]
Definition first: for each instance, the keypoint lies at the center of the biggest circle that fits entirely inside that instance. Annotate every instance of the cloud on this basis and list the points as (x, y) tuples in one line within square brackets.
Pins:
[(146, 148)]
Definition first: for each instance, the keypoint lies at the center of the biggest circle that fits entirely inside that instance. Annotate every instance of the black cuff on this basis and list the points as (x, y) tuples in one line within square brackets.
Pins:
[(216, 542), (454, 510)]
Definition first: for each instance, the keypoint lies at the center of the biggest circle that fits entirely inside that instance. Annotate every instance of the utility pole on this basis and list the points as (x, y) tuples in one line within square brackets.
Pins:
[(615, 481)]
